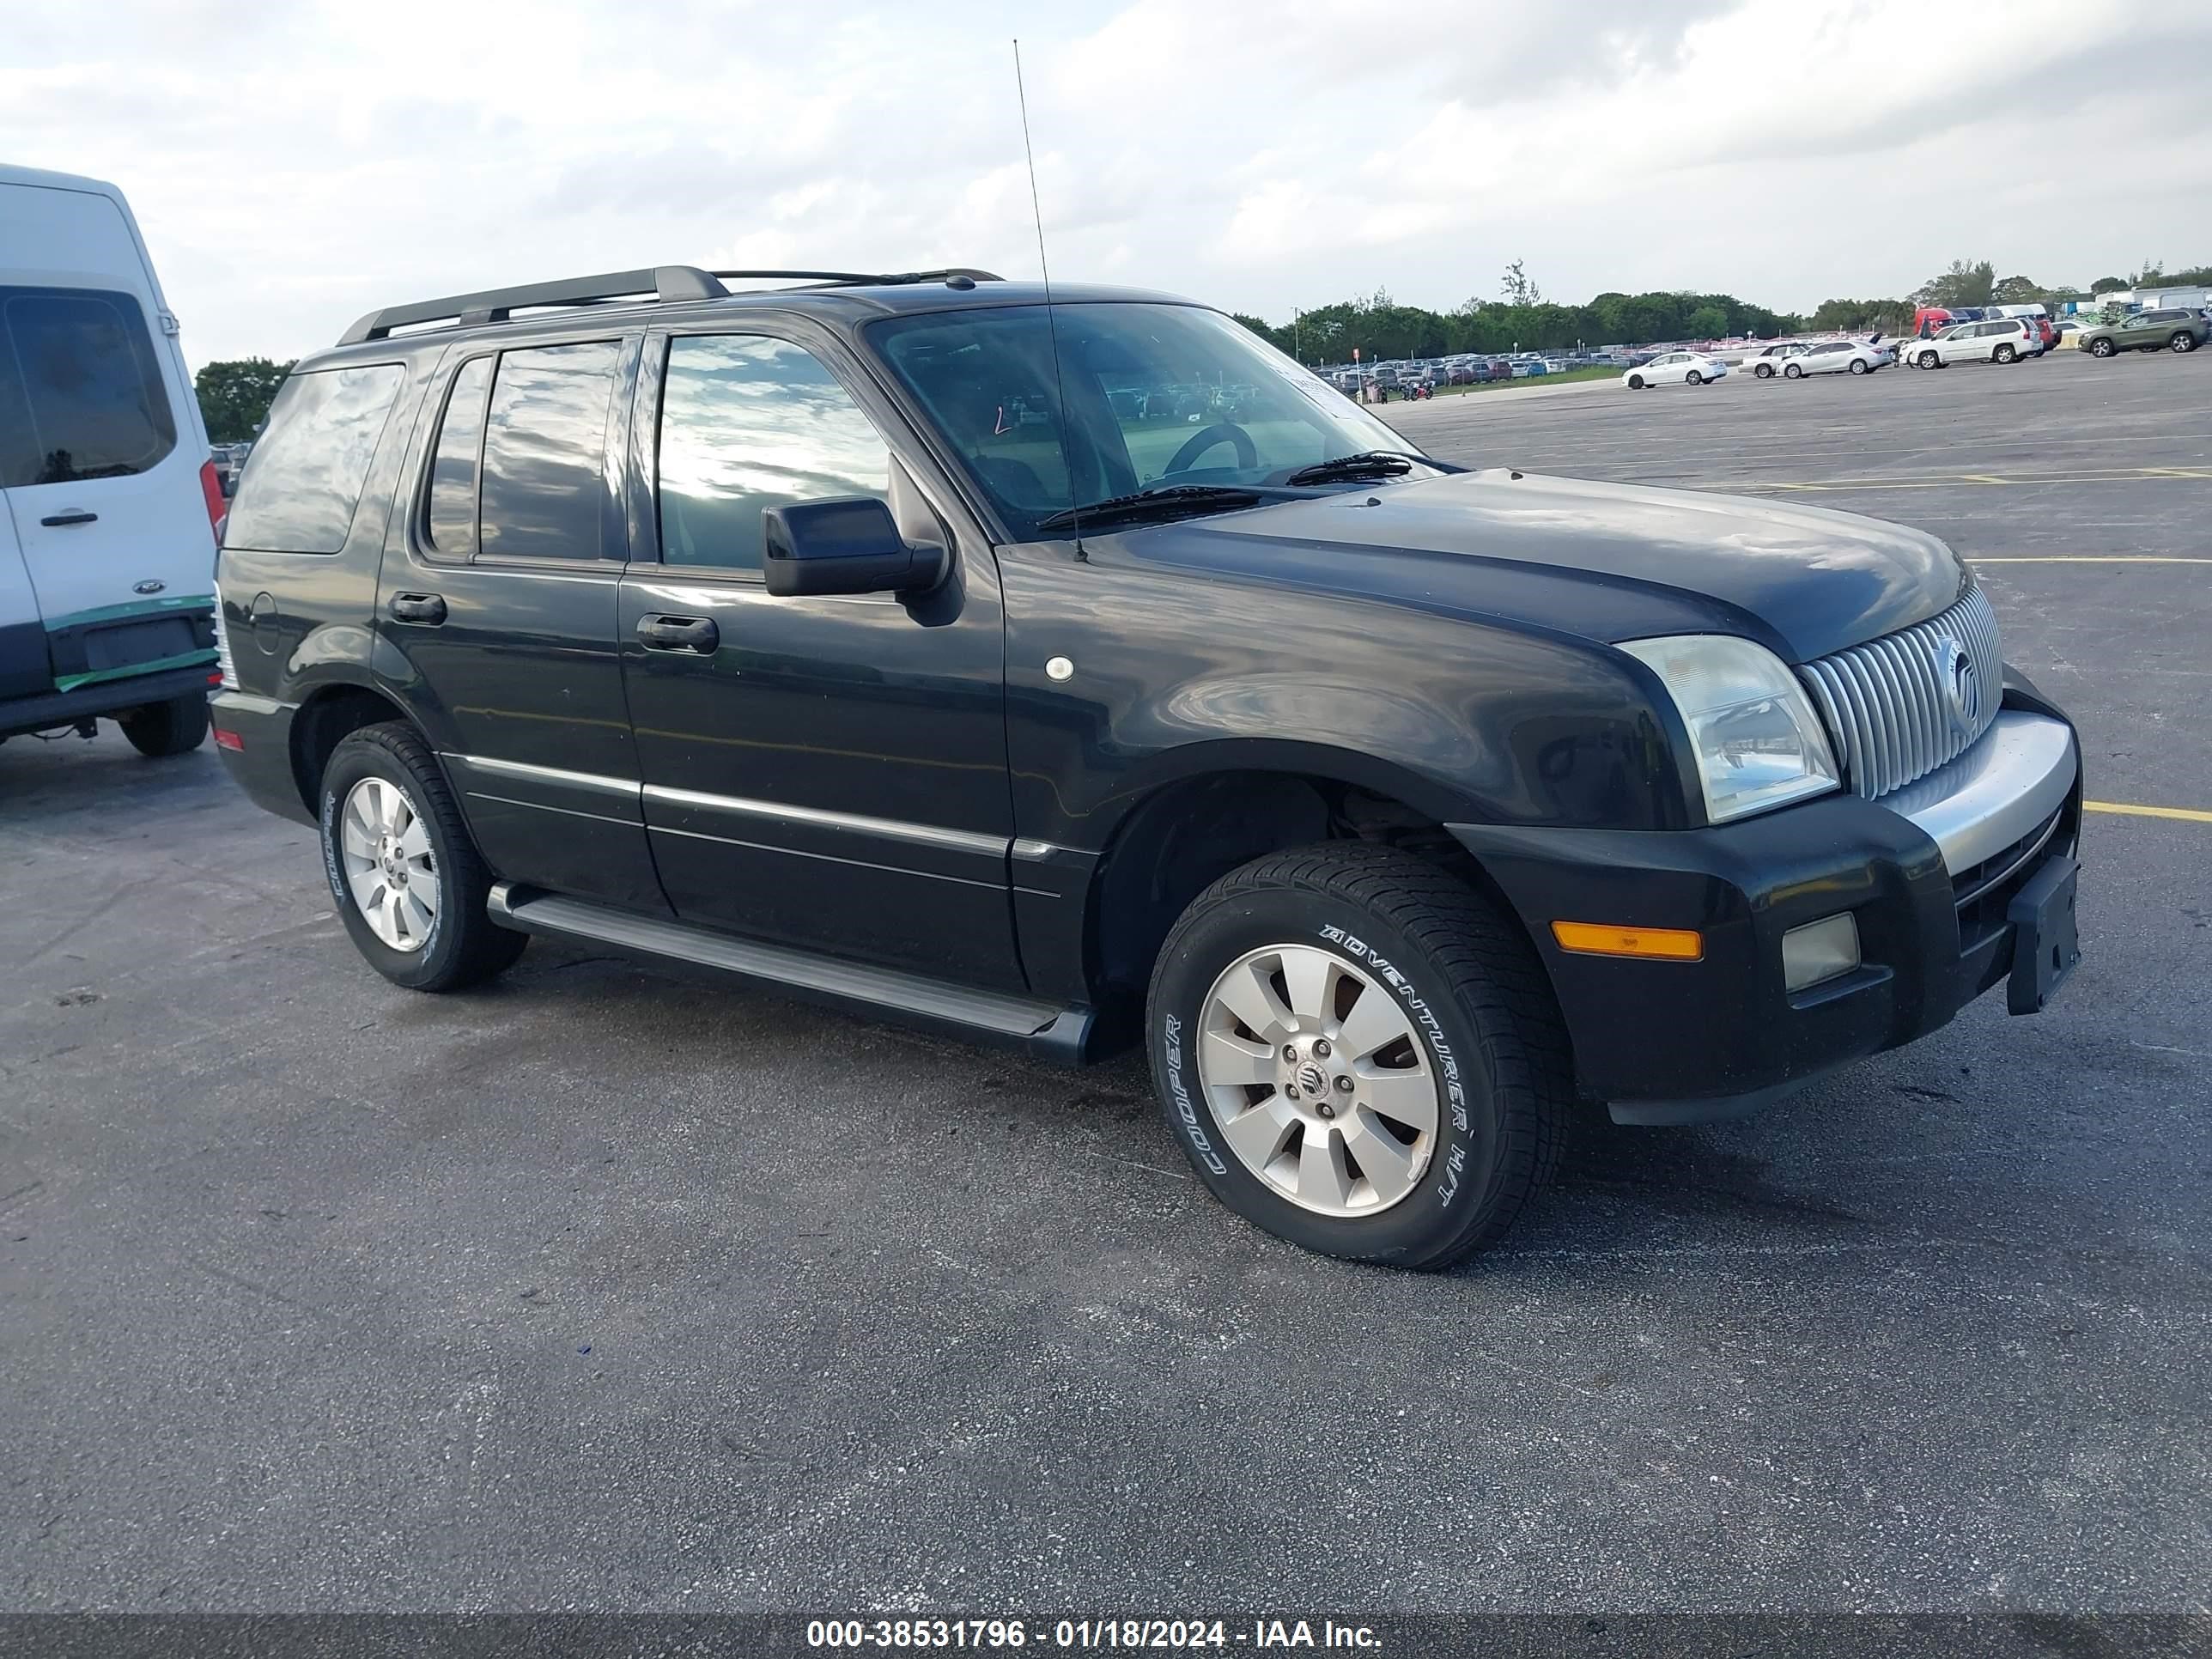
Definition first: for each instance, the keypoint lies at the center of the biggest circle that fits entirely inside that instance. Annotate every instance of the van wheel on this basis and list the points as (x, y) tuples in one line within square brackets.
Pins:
[(401, 867), (175, 728), (1359, 1054)]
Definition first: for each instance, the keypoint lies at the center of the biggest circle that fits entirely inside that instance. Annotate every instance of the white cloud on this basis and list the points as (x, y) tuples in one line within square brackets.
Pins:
[(294, 166)]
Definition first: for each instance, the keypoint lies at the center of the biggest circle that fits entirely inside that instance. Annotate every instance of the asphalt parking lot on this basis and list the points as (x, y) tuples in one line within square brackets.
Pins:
[(602, 1289)]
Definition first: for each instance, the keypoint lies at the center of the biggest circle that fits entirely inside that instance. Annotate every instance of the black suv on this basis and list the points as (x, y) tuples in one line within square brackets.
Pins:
[(1062, 670)]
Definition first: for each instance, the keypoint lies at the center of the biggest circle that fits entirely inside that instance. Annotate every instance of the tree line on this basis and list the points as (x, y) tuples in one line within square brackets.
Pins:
[(1522, 319)]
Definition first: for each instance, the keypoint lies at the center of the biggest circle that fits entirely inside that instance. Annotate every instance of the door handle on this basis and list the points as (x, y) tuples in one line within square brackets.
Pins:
[(697, 635), (425, 608), (56, 520)]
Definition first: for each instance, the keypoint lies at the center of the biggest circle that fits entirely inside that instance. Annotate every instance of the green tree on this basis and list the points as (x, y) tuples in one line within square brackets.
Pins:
[(1707, 322), (1967, 283), (2108, 285), (235, 395), (1518, 289), (2016, 291)]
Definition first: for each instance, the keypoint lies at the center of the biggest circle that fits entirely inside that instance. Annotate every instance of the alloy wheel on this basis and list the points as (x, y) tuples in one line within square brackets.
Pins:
[(1318, 1080), (385, 848)]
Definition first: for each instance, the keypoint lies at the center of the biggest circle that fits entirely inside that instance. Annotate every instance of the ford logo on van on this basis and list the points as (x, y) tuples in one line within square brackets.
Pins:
[(148, 586)]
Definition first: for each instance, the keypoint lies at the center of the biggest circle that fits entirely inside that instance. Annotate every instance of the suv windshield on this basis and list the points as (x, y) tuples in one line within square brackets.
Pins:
[(1156, 395)]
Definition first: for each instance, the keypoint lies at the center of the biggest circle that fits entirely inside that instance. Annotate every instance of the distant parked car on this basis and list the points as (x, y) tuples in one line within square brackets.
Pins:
[(1676, 368), (1833, 357), (1999, 340), (2177, 330), (1767, 362)]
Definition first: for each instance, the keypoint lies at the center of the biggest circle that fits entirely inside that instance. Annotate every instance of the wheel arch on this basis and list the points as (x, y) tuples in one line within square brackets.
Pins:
[(325, 720), (1192, 827)]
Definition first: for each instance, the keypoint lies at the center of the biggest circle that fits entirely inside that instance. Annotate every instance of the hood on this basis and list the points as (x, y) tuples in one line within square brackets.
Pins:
[(1610, 562)]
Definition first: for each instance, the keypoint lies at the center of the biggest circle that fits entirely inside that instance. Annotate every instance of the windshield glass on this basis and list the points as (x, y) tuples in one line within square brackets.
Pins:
[(1156, 395)]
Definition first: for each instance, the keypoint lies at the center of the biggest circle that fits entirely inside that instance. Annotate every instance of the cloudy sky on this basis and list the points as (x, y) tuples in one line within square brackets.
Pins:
[(295, 165)]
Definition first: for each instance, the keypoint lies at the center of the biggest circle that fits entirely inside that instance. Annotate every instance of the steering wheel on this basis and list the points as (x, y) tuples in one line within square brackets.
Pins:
[(1221, 432)]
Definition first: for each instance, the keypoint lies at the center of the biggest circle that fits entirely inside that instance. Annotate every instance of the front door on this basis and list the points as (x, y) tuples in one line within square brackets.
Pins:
[(828, 772)]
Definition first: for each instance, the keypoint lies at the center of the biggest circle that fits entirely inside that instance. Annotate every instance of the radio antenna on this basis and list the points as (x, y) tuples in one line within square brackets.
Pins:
[(1051, 318)]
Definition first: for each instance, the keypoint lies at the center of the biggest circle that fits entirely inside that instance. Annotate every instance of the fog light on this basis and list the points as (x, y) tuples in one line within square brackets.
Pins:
[(1818, 951)]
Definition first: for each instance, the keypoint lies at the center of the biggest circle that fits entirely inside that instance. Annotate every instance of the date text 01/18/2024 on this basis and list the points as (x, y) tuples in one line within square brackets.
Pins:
[(1090, 1634)]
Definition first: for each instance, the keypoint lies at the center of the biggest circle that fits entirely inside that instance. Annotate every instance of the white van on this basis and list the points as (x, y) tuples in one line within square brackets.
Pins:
[(107, 498)]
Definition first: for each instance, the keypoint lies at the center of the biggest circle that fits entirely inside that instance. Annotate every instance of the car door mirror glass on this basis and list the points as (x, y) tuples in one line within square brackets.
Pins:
[(851, 545)]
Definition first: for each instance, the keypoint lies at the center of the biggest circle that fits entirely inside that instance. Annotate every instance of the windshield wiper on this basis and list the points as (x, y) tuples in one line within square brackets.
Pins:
[(1368, 464), (1153, 503)]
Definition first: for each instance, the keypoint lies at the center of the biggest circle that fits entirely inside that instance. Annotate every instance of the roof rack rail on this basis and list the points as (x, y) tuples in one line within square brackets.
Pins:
[(864, 279), (667, 283)]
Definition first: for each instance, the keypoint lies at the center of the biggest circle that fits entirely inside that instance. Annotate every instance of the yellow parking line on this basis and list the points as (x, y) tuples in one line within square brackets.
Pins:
[(2090, 558), (2189, 814)]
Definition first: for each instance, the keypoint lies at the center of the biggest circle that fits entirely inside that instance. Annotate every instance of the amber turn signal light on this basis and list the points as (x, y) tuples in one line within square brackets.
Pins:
[(1598, 939)]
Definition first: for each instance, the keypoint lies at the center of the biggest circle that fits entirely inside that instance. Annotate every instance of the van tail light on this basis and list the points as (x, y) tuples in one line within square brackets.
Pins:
[(211, 489)]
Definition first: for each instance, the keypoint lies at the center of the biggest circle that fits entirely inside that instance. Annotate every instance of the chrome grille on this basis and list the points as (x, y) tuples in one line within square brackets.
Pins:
[(1901, 705)]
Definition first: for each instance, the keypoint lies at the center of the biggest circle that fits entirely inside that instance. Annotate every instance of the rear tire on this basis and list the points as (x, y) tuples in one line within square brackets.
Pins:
[(1765, 371), (1328, 948), (2004, 353), (1860, 366), (458, 943), (161, 729), (1694, 379), (2183, 340)]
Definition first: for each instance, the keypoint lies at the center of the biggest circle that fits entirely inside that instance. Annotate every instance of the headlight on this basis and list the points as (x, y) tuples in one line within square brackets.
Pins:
[(1758, 742)]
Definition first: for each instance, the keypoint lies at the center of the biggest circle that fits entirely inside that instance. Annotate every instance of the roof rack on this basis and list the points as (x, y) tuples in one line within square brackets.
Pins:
[(669, 284)]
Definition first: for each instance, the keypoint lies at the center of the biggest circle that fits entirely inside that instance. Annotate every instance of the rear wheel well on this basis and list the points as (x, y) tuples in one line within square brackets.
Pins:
[(323, 723), (1188, 834)]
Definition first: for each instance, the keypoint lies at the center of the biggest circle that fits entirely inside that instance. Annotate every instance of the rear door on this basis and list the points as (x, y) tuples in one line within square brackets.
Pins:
[(25, 670), (100, 448), (495, 609)]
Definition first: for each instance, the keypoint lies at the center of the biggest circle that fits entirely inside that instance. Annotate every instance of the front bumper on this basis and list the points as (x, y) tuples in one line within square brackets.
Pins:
[(1927, 874)]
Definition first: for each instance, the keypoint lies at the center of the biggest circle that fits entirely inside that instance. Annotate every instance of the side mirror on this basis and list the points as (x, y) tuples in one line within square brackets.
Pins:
[(846, 546)]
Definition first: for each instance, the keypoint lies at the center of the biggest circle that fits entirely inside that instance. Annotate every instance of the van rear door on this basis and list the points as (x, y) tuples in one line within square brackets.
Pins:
[(100, 441)]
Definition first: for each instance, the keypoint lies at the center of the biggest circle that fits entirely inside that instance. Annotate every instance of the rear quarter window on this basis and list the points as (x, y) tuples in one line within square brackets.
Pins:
[(80, 394), (299, 490)]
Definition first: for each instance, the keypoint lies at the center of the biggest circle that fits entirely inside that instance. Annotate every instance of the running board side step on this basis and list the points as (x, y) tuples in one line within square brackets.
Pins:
[(1049, 1032)]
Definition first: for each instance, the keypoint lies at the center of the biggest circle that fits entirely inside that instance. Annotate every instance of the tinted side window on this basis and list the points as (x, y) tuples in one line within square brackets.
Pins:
[(450, 525), (80, 393), (748, 423), (299, 494), (544, 452)]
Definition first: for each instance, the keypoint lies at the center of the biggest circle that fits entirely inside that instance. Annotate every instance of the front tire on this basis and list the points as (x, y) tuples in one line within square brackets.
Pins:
[(1930, 360), (161, 729), (1636, 383), (1360, 1055), (1791, 371), (401, 869), (2101, 347)]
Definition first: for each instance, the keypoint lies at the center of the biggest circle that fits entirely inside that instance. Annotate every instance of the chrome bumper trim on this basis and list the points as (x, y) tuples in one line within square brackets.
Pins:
[(2018, 774)]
